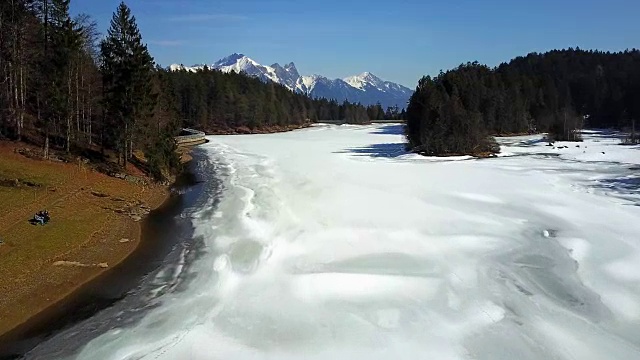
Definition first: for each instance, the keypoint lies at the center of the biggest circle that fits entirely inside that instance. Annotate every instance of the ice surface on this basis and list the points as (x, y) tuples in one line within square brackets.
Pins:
[(332, 243)]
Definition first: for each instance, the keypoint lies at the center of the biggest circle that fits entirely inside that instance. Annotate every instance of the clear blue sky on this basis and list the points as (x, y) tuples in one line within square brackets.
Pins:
[(397, 40)]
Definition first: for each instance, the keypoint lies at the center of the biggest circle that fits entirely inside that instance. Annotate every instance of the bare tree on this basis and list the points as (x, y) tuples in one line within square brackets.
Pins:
[(87, 75)]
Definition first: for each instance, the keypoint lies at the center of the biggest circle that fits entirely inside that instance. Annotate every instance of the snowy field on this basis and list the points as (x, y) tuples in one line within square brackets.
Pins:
[(333, 243)]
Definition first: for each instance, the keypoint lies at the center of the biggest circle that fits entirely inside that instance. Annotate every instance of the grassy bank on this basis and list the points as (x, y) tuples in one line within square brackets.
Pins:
[(94, 226)]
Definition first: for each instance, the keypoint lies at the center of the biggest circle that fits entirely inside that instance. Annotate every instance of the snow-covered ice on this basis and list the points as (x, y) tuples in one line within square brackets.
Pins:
[(333, 243)]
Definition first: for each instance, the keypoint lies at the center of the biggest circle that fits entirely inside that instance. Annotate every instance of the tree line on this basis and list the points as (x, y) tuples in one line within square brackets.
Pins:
[(214, 101), (63, 86), (47, 71), (557, 92)]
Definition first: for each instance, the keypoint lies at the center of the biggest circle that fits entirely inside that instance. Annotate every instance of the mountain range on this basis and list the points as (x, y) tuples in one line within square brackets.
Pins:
[(365, 88)]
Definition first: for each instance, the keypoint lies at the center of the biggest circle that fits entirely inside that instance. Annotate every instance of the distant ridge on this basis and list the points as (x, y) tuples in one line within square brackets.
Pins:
[(365, 88)]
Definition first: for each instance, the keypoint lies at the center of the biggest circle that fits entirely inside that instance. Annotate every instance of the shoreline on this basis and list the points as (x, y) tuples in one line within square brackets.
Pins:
[(259, 131), (104, 286)]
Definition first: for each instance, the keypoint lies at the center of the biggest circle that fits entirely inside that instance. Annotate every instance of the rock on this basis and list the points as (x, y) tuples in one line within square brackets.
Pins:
[(69, 263), (99, 194), (135, 180), (30, 183), (124, 240), (103, 265), (136, 218), (10, 182)]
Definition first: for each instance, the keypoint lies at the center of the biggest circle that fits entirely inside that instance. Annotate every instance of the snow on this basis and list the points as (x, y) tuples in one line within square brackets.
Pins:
[(355, 81), (178, 67), (367, 80), (229, 60), (602, 145), (364, 79), (247, 65), (333, 243), (307, 83)]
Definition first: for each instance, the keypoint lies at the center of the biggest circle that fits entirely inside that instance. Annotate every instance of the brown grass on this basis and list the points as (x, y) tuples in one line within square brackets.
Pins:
[(85, 228)]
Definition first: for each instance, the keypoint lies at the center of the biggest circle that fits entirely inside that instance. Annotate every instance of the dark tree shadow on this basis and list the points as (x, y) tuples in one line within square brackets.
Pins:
[(394, 129), (607, 134), (388, 150), (623, 185), (532, 142)]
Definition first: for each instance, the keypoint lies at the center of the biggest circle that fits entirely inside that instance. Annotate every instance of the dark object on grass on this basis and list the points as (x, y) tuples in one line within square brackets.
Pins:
[(17, 183), (40, 218), (99, 194)]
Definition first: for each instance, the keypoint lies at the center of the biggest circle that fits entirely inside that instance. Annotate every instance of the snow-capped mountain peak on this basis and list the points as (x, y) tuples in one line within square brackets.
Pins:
[(365, 88), (365, 79), (229, 60), (176, 67)]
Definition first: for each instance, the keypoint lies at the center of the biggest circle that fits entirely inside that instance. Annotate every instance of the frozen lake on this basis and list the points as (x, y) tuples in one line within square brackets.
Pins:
[(333, 243)]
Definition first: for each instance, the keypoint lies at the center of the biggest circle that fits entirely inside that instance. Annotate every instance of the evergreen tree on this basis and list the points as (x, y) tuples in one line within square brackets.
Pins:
[(127, 69), (552, 92), (228, 102), (67, 45)]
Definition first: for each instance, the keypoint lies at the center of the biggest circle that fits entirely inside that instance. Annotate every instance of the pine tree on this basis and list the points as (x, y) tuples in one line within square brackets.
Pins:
[(68, 45), (127, 70)]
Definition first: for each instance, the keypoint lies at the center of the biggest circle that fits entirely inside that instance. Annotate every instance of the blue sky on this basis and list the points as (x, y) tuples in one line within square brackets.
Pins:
[(397, 40)]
